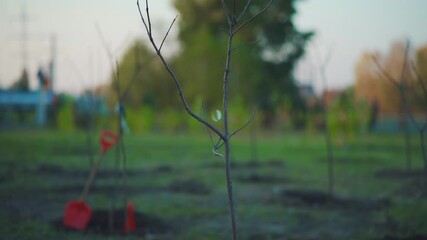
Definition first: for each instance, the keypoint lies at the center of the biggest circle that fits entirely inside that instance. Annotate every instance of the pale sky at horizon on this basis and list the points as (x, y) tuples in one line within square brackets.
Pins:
[(349, 28)]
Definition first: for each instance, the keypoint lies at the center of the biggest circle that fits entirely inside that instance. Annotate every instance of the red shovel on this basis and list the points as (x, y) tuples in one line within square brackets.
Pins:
[(77, 212)]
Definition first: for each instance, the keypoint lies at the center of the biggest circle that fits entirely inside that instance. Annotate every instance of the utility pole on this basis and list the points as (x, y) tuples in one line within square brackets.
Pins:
[(52, 64), (24, 22)]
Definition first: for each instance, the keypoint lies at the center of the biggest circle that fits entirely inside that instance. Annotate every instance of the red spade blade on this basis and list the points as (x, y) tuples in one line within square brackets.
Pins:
[(77, 215)]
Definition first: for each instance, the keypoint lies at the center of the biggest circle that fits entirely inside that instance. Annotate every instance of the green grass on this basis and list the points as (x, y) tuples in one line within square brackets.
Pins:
[(30, 199)]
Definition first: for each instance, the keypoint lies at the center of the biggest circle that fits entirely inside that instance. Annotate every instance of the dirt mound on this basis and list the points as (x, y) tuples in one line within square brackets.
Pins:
[(398, 173), (261, 178), (190, 186), (53, 169), (106, 189), (322, 199), (100, 224), (416, 237), (276, 163)]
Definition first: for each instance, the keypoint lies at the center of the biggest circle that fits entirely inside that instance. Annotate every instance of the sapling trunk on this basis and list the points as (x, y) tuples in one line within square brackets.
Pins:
[(423, 149), (227, 137), (330, 158), (405, 117), (400, 85), (422, 129), (329, 147)]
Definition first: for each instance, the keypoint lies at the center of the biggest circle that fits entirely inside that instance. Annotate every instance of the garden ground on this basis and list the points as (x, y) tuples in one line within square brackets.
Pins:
[(178, 188)]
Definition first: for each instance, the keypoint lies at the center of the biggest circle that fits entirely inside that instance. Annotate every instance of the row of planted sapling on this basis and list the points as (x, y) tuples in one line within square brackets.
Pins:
[(78, 213), (402, 84)]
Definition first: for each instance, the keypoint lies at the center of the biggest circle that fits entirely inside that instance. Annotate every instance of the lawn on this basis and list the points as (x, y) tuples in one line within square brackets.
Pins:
[(178, 187)]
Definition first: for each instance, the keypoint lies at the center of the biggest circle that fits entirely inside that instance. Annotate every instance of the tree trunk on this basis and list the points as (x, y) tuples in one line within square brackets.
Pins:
[(230, 189), (423, 151)]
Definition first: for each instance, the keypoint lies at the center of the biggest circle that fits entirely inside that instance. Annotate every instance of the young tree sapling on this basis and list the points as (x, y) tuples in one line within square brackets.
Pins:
[(401, 86), (236, 22)]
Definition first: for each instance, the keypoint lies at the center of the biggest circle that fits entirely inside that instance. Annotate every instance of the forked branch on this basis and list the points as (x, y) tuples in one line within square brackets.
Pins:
[(244, 125), (399, 83), (252, 18), (385, 73), (147, 25), (420, 79)]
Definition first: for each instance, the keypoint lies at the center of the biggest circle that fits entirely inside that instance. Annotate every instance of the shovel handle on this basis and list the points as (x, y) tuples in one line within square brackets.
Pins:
[(107, 139)]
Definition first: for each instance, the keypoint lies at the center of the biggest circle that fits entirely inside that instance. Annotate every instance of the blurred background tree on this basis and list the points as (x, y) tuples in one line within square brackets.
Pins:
[(23, 83), (265, 55), (373, 86)]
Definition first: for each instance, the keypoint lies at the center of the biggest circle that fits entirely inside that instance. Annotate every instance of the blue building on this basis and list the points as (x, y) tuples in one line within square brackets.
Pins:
[(18, 107)]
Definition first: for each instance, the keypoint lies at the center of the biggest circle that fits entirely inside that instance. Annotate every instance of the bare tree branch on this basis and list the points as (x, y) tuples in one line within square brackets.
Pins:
[(167, 33), (217, 154), (105, 45), (226, 12), (117, 77), (245, 125), (142, 17), (384, 72), (420, 79), (242, 44), (405, 61), (137, 70), (252, 18), (176, 79), (234, 10), (120, 95), (148, 16), (244, 10)]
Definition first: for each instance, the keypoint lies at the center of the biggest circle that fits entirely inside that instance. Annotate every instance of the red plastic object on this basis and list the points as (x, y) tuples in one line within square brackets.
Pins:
[(107, 140), (77, 215), (130, 220)]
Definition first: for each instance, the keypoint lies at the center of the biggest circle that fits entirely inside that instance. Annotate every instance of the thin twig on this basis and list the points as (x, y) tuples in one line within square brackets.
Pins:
[(420, 79), (167, 33), (234, 9), (176, 80), (117, 76), (226, 12), (135, 74), (105, 45), (244, 10), (405, 60), (244, 44), (217, 154), (142, 17), (252, 18), (384, 72), (245, 125), (148, 16), (219, 144)]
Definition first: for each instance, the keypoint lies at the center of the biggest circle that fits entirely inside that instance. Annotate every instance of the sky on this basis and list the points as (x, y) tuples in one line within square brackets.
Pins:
[(344, 30)]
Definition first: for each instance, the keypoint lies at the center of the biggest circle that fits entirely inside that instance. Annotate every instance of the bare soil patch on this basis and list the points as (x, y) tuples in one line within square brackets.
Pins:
[(190, 186), (261, 178), (278, 163), (100, 224), (299, 197), (398, 173)]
